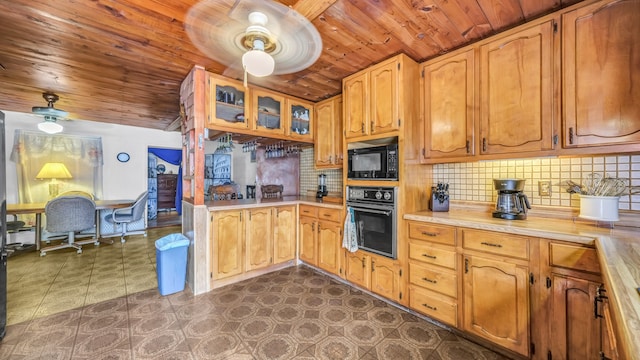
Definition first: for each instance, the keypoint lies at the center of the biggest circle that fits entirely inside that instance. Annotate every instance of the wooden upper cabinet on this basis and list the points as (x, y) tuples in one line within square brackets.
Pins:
[(266, 111), (448, 107), (328, 144), (517, 108), (356, 105), (299, 119), (378, 99), (228, 103), (384, 97), (601, 69)]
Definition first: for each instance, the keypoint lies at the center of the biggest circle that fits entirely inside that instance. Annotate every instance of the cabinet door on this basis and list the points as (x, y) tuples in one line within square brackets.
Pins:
[(227, 105), (284, 240), (385, 96), (329, 241), (516, 93), (338, 135), (308, 243), (385, 278), (574, 328), (358, 269), (601, 74), (496, 302), (228, 238), (324, 145), (448, 107), (299, 119), (267, 109), (356, 105), (258, 238)]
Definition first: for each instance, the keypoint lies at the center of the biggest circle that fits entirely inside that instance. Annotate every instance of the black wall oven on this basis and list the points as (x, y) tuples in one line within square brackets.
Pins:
[(374, 210)]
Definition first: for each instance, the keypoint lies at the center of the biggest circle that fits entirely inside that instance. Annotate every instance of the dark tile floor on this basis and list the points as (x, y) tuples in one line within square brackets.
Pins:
[(295, 313)]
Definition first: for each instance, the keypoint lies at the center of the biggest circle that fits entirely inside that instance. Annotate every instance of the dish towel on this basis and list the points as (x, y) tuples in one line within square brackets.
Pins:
[(350, 238)]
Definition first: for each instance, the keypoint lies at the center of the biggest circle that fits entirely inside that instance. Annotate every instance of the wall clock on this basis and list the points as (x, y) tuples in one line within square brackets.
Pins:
[(123, 157)]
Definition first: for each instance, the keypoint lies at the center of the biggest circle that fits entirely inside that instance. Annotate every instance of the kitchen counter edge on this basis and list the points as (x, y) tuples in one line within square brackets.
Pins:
[(219, 205), (618, 251)]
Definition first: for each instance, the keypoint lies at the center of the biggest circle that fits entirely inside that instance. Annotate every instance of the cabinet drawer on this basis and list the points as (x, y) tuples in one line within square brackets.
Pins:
[(574, 257), (432, 255), (496, 243), (329, 214), (434, 233), (307, 210), (434, 305), (434, 279)]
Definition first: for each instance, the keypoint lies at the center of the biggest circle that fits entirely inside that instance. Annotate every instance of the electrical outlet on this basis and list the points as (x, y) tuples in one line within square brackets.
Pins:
[(544, 188)]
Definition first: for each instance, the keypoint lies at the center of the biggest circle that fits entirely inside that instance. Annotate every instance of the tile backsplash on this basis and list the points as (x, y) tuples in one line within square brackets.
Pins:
[(309, 175), (473, 181)]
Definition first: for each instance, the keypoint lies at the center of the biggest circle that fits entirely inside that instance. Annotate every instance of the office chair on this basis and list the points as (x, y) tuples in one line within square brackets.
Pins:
[(69, 214), (127, 215), (83, 234), (271, 191)]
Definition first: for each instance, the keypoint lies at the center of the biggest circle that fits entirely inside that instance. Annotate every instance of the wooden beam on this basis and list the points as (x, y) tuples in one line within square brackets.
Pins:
[(311, 9)]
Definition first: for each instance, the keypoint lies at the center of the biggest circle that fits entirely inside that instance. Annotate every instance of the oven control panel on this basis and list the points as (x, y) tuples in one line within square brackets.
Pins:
[(371, 194)]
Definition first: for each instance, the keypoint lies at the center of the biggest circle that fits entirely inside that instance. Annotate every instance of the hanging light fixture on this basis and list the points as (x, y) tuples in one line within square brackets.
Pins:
[(258, 40), (50, 113)]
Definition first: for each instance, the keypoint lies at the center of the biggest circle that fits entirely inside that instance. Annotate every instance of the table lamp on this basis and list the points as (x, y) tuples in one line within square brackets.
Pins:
[(53, 171)]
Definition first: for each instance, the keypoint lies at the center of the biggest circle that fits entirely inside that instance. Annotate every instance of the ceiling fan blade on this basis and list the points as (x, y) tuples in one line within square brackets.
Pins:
[(217, 27)]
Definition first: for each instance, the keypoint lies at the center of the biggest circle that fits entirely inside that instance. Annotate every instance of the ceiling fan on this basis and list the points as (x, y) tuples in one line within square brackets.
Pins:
[(50, 113), (259, 37)]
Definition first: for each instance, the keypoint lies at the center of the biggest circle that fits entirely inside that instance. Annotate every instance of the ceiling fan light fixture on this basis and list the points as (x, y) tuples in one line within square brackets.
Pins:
[(256, 61), (50, 126)]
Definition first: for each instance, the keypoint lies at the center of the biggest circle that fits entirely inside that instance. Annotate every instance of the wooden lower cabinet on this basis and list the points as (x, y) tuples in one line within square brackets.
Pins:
[(251, 239), (375, 273), (329, 246), (496, 302), (308, 240), (227, 244), (358, 268), (575, 329), (259, 238), (284, 233)]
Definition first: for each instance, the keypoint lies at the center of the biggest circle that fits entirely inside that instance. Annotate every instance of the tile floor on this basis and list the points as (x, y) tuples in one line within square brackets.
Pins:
[(295, 313), (63, 280)]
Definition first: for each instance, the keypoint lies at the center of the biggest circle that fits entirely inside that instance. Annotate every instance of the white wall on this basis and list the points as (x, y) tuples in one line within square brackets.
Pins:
[(121, 180)]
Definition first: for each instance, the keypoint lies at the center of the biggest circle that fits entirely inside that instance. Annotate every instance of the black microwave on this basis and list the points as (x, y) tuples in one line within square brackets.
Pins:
[(373, 163)]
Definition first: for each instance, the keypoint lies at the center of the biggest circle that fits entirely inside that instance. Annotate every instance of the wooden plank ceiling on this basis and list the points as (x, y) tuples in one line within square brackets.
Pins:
[(122, 61)]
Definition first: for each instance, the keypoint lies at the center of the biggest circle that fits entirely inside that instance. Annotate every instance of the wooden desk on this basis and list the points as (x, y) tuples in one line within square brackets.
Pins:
[(38, 210)]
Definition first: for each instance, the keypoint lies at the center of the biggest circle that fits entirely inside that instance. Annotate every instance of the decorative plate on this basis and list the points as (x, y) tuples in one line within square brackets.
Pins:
[(123, 157), (161, 168)]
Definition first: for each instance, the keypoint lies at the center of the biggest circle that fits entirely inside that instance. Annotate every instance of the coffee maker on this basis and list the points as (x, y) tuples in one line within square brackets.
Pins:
[(512, 203), (322, 186)]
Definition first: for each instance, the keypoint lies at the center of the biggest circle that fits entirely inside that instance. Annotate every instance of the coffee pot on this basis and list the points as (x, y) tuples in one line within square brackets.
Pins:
[(512, 203)]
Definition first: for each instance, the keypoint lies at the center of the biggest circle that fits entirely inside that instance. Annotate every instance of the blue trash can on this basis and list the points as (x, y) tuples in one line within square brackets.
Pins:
[(171, 263)]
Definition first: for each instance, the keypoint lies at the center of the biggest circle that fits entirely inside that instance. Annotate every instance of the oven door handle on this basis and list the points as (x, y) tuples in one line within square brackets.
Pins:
[(373, 211)]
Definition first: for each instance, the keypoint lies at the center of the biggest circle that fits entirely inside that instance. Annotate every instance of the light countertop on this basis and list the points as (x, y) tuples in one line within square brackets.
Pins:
[(618, 252), (218, 205)]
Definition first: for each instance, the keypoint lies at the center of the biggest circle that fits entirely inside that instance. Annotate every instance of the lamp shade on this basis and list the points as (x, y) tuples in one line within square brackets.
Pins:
[(54, 171), (50, 127)]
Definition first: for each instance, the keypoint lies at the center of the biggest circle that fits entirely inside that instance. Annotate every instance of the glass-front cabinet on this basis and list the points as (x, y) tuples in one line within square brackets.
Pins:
[(267, 111), (299, 119), (228, 103)]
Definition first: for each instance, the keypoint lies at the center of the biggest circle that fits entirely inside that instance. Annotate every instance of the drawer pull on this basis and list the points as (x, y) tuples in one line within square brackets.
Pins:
[(429, 233), (430, 307), (490, 244), (429, 280), (429, 256), (326, 215)]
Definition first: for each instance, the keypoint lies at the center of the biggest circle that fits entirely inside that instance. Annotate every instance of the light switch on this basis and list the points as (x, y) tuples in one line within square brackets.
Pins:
[(544, 188)]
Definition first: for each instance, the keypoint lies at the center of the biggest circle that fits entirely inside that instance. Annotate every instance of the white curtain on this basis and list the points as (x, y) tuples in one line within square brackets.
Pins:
[(81, 155)]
